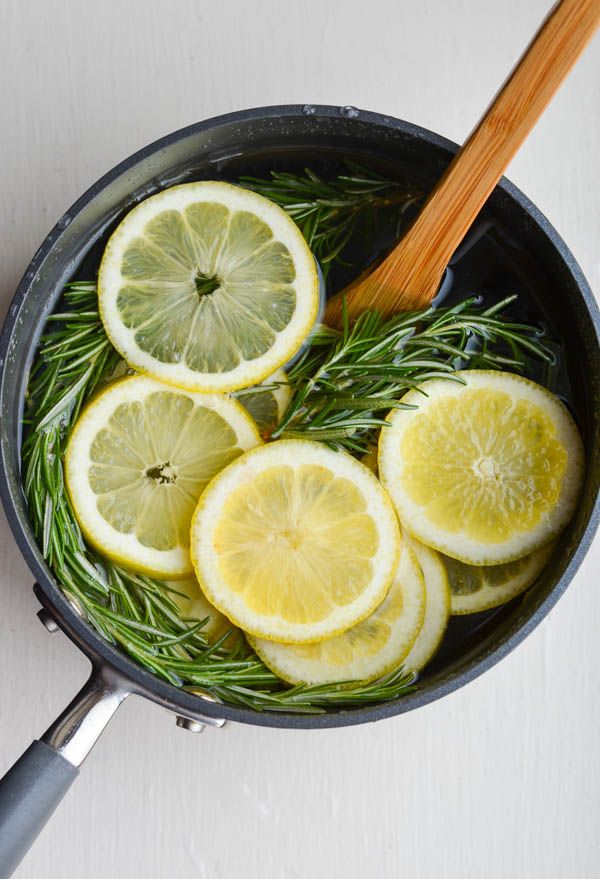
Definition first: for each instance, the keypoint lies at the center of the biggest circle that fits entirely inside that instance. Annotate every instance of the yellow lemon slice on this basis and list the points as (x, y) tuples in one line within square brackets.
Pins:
[(437, 606), (369, 459), (368, 650), (486, 471), (295, 542), (137, 461), (207, 286), (194, 605), (481, 587), (267, 406)]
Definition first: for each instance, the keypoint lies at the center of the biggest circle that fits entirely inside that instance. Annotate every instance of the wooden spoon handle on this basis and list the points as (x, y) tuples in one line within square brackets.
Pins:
[(410, 276)]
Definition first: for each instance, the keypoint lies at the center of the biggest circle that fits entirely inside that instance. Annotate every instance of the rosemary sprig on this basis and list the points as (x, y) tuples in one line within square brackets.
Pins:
[(346, 381), (328, 212), (134, 612)]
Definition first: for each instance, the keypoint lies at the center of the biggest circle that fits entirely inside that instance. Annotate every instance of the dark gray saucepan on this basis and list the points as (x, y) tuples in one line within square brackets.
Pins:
[(36, 783)]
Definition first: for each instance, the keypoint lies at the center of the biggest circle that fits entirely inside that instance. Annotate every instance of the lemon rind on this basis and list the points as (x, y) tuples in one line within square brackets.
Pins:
[(437, 607)]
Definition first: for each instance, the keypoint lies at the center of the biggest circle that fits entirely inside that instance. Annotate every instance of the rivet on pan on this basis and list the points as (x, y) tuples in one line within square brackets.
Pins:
[(47, 620), (189, 724)]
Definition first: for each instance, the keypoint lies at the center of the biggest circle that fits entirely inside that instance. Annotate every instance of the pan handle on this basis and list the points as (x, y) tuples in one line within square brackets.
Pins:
[(32, 789)]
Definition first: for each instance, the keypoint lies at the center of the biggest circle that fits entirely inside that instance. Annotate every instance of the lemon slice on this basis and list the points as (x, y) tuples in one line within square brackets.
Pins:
[(437, 606), (481, 587), (369, 459), (368, 650), (267, 407), (137, 461), (486, 471), (295, 542), (207, 286), (194, 605)]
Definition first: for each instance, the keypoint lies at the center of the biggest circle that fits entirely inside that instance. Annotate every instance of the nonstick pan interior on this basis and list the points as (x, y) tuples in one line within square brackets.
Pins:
[(218, 147)]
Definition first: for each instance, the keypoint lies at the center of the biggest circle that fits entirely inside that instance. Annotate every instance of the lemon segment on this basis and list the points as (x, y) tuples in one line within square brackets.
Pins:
[(194, 605), (481, 587), (486, 471), (137, 461), (295, 542), (437, 606), (267, 406), (368, 650), (207, 286), (369, 459)]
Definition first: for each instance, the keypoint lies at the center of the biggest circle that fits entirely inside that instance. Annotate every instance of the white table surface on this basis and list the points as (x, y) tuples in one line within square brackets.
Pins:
[(500, 779)]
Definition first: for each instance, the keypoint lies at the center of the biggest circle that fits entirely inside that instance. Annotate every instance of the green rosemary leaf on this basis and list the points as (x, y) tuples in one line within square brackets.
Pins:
[(370, 404), (47, 526)]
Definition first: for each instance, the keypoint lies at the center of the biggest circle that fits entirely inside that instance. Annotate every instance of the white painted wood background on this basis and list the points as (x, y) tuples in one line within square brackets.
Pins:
[(500, 779)]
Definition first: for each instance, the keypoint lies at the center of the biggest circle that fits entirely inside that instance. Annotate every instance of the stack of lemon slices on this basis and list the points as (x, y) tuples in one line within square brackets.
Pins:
[(334, 574), (486, 472)]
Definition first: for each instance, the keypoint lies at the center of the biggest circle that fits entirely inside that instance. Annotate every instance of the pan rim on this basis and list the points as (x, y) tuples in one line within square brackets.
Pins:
[(143, 682)]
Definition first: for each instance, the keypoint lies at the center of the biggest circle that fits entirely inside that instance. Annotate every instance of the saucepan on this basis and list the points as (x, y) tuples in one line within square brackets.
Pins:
[(534, 257)]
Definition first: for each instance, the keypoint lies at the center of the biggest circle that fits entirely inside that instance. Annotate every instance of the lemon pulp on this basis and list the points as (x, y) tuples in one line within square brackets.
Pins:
[(486, 471), (295, 542), (480, 587), (494, 466), (308, 525), (364, 652)]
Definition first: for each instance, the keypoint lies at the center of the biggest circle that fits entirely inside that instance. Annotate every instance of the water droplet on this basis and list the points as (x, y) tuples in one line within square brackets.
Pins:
[(64, 221), (309, 110), (1, 362), (13, 310), (349, 112)]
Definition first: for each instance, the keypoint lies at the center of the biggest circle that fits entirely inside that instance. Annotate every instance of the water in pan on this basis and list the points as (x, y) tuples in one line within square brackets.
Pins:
[(490, 264)]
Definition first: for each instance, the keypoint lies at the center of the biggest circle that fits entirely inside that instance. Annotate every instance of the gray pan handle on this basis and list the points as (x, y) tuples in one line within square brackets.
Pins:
[(29, 793), (32, 789)]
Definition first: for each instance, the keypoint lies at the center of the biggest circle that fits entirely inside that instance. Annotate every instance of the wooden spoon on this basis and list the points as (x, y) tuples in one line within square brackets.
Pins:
[(410, 275)]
